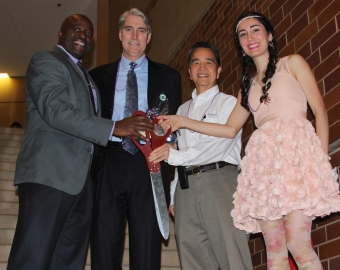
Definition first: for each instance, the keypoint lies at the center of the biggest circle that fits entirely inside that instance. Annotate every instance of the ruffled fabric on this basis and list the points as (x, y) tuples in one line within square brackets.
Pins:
[(284, 169)]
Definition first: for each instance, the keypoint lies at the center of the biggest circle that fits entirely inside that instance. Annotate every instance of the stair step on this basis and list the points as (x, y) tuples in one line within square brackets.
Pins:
[(6, 237), (7, 166), (8, 221), (6, 175), (8, 196), (3, 266), (8, 158), (125, 267), (11, 143), (11, 137), (4, 252), (9, 150), (8, 130), (6, 185), (9, 208)]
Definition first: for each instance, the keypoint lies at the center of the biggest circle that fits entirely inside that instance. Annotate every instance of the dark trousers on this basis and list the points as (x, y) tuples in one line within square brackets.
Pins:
[(53, 228), (124, 192)]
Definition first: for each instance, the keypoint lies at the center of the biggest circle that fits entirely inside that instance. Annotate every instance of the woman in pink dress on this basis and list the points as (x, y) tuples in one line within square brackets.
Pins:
[(286, 179)]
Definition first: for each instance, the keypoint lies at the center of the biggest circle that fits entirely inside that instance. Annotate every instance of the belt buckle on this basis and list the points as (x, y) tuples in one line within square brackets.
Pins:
[(192, 170)]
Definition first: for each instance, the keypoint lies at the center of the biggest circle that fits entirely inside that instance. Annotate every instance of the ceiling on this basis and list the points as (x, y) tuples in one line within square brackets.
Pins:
[(29, 26)]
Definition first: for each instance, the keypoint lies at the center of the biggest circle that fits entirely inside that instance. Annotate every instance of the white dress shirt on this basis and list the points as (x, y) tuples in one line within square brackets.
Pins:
[(200, 149)]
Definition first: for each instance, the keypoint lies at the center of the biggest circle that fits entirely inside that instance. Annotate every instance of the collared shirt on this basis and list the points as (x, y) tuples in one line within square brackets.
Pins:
[(200, 149), (75, 60), (141, 71)]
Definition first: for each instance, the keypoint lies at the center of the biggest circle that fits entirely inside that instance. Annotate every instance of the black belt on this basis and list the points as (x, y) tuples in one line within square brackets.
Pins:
[(113, 144), (194, 170)]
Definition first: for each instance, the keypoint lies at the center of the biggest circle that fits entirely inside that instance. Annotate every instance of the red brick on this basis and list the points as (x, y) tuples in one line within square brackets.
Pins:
[(283, 26), (265, 7), (251, 245), (335, 161), (259, 244), (264, 256), (333, 231), (324, 265), (297, 27), (256, 258), (332, 97), (328, 13), (247, 131), (314, 10), (288, 6), (319, 236), (323, 35), (330, 46), (216, 6), (306, 34), (289, 49), (229, 77), (327, 66), (333, 114), (305, 51), (327, 219), (334, 132), (277, 17), (334, 263), (301, 8), (281, 43), (332, 80), (313, 60), (252, 4), (329, 249), (276, 7)]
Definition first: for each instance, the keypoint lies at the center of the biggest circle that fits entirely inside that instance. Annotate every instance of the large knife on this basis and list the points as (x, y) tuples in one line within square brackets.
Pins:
[(154, 141)]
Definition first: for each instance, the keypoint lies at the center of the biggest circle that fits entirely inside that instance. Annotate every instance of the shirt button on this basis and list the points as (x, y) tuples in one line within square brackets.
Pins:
[(89, 149)]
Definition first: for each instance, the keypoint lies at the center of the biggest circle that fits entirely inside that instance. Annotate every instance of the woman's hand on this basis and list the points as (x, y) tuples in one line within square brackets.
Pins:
[(174, 122)]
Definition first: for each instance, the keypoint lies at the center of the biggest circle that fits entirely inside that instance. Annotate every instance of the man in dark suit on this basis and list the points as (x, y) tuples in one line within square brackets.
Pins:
[(123, 189), (52, 172)]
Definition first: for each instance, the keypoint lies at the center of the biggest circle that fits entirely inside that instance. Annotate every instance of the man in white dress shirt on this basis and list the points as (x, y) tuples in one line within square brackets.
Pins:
[(201, 204)]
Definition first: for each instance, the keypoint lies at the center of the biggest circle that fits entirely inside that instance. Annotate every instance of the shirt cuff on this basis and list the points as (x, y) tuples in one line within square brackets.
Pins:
[(113, 128)]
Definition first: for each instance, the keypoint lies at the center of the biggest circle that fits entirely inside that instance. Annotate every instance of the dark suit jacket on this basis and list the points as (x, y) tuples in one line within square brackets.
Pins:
[(161, 79), (61, 126)]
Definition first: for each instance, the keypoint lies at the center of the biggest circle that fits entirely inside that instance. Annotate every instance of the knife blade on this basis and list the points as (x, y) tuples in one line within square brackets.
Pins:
[(160, 203)]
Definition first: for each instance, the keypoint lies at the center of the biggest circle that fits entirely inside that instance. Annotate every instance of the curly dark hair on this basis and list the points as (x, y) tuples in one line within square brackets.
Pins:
[(248, 63)]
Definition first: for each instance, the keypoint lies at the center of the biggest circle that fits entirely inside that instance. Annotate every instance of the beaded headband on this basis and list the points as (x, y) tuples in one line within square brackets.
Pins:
[(246, 18)]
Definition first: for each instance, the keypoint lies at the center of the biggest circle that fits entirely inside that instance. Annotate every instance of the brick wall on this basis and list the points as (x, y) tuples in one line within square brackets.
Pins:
[(308, 27)]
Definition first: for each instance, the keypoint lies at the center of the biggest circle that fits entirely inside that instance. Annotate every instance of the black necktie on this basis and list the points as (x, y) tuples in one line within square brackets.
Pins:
[(131, 105), (89, 84)]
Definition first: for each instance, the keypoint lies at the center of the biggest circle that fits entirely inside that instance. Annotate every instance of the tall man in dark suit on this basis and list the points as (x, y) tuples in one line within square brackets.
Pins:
[(52, 172), (124, 188)]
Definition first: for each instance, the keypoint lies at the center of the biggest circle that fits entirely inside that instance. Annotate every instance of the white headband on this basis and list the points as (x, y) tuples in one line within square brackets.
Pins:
[(246, 18)]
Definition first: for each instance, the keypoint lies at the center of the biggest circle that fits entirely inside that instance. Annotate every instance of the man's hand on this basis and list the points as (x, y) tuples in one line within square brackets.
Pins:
[(131, 126), (160, 153)]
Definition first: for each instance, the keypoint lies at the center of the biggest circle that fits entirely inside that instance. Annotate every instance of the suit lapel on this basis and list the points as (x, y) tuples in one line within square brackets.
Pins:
[(154, 83), (61, 52)]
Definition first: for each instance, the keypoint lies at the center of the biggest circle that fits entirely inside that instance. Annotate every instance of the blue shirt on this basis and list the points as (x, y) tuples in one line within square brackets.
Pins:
[(141, 71)]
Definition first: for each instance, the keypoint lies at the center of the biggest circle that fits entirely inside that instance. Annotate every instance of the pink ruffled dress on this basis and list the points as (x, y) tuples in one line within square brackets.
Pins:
[(284, 167)]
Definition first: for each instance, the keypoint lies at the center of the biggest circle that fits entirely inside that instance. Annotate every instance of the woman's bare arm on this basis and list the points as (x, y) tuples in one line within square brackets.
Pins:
[(304, 75), (235, 122)]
